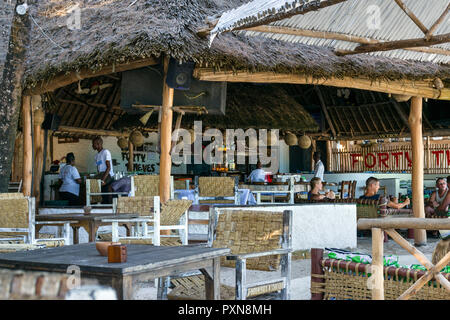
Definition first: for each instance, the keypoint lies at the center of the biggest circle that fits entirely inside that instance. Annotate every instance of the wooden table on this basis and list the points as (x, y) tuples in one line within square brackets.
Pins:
[(145, 262), (90, 222)]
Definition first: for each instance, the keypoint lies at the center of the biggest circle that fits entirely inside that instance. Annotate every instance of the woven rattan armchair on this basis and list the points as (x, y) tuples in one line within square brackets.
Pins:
[(216, 190), (17, 222), (148, 186), (164, 216), (333, 279), (94, 193), (259, 240)]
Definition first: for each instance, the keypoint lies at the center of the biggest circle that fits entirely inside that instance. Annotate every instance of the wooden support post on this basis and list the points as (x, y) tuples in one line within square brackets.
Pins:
[(27, 146), (166, 137), (313, 149), (377, 264), (130, 156), (38, 118), (329, 155), (316, 272), (415, 124)]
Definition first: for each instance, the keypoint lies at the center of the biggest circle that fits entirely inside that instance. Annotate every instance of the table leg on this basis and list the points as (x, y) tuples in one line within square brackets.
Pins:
[(76, 238), (212, 283), (93, 227), (123, 286)]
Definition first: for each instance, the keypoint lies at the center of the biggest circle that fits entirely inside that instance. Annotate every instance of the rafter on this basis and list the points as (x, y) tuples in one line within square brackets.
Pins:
[(412, 16), (336, 36), (438, 22), (399, 44)]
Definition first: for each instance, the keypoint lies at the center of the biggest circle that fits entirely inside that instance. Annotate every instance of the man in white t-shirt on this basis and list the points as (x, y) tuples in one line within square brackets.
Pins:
[(319, 168), (257, 175), (104, 165)]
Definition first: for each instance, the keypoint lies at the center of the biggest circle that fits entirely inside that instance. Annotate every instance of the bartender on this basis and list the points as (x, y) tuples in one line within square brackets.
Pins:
[(104, 165)]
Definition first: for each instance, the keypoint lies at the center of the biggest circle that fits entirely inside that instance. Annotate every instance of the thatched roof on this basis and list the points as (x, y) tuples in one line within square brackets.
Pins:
[(115, 31)]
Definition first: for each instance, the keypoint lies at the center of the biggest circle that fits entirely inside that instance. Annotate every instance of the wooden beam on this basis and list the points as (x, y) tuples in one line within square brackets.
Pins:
[(402, 223), (336, 36), (166, 137), (27, 146), (324, 109), (400, 112), (412, 16), (415, 124), (398, 44), (415, 88), (300, 9), (63, 79), (437, 23), (93, 132)]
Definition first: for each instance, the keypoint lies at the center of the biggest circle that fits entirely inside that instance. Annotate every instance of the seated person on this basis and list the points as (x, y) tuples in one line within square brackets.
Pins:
[(316, 186), (70, 181), (257, 175), (437, 197), (442, 209), (372, 187)]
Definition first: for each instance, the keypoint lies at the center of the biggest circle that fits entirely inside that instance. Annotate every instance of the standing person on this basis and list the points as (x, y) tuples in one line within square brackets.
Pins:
[(372, 187), (319, 168), (257, 175), (104, 165), (437, 197), (70, 181)]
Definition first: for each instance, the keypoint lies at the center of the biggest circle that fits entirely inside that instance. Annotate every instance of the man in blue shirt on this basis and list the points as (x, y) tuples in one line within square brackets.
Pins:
[(257, 175)]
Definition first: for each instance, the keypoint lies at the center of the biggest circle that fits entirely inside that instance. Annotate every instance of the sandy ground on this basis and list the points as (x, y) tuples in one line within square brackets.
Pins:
[(301, 269)]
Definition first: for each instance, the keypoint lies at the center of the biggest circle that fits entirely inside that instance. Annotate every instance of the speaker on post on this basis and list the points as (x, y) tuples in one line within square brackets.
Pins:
[(179, 76), (51, 122)]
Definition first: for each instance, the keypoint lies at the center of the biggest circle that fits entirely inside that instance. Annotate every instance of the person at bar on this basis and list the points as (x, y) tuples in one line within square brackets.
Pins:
[(316, 187), (257, 175), (319, 168), (437, 197), (70, 180), (104, 165), (371, 193)]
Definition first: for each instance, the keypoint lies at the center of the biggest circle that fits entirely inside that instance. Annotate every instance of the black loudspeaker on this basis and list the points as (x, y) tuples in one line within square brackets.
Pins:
[(144, 87), (179, 75), (51, 121)]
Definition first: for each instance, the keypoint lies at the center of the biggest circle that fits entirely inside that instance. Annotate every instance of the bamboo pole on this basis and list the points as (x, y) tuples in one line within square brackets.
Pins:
[(166, 137), (38, 118), (313, 149), (402, 223), (130, 156), (27, 146), (329, 155), (415, 124), (377, 264)]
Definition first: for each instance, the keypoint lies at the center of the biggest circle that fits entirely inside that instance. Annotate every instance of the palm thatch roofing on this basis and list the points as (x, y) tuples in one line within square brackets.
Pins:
[(117, 31)]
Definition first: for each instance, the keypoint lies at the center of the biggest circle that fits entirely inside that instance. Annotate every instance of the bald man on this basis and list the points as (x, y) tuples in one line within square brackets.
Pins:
[(104, 167)]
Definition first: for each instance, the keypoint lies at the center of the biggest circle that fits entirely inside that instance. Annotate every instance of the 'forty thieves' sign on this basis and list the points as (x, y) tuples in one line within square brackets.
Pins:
[(395, 160)]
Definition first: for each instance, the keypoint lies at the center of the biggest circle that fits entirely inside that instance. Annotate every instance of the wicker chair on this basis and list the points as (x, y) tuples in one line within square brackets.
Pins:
[(216, 190), (17, 222), (94, 193), (164, 216), (333, 279), (259, 240), (148, 186)]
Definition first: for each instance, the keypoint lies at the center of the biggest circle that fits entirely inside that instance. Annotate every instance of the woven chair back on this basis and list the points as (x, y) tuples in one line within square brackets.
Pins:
[(250, 231), (14, 212), (216, 186), (146, 185), (172, 210), (95, 187), (140, 205), (342, 282), (179, 184)]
